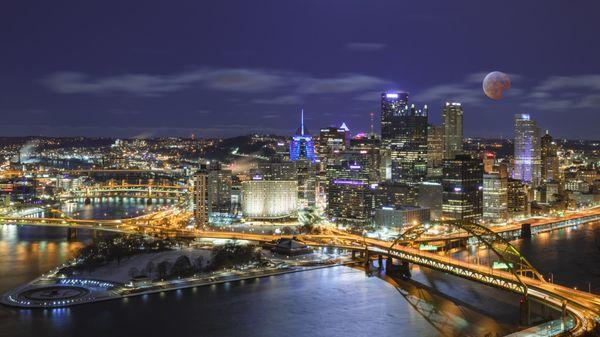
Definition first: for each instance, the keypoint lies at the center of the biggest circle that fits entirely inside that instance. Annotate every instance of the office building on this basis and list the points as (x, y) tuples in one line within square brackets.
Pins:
[(462, 186), (453, 129), (527, 153), (302, 146)]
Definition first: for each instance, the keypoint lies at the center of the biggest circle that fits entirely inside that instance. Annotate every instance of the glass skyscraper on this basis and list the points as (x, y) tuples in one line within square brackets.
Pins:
[(528, 160)]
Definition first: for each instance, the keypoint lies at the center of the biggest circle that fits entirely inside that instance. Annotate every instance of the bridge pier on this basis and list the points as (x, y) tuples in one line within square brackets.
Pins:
[(149, 201), (353, 255), (87, 201), (526, 231), (405, 269), (380, 262), (71, 234), (389, 262), (525, 311)]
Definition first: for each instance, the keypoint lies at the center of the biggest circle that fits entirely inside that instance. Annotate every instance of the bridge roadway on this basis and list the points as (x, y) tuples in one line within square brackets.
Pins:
[(538, 225)]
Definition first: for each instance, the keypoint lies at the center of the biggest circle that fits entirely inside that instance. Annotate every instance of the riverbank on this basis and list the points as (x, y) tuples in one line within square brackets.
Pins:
[(55, 292)]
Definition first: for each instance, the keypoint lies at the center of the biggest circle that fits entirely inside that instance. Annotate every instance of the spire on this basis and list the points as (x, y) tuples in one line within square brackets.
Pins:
[(302, 123)]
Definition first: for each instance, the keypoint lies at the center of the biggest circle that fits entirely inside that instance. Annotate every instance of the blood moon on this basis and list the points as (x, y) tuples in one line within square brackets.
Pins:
[(495, 84)]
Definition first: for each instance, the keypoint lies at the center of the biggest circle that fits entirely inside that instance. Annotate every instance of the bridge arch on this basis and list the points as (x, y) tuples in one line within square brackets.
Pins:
[(508, 254)]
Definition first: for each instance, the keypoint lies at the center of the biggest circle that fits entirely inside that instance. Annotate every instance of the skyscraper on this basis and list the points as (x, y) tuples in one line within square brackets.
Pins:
[(453, 129), (302, 146), (219, 192), (435, 150), (527, 150), (495, 194), (462, 186), (393, 103), (200, 198), (549, 158), (404, 137)]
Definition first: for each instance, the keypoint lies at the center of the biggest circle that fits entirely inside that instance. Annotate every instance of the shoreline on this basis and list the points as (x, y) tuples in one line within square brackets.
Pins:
[(94, 292)]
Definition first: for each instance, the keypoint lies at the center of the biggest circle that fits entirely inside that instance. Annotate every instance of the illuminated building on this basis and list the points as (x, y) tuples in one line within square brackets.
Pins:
[(349, 201), (306, 177), (269, 199), (332, 140), (277, 169), (430, 196), (495, 195), (435, 150), (404, 137), (302, 146), (200, 197), (395, 195), (401, 216), (549, 158), (462, 186), (219, 193), (527, 150), (453, 129), (517, 200), (489, 159)]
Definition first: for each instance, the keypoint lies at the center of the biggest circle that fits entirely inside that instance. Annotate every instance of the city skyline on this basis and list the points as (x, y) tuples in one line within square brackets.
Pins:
[(174, 78)]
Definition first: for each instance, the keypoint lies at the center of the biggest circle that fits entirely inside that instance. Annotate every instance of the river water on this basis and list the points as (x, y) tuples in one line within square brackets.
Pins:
[(338, 301)]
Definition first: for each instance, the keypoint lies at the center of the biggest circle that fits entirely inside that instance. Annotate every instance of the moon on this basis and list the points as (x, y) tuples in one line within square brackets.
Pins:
[(495, 84)]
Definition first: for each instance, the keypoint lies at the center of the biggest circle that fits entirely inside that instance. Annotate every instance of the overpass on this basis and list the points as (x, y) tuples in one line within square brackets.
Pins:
[(146, 191)]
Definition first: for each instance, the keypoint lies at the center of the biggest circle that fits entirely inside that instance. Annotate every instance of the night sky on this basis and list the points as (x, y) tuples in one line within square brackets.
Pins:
[(224, 68)]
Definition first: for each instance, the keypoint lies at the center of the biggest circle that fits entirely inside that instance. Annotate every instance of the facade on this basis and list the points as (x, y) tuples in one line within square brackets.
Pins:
[(404, 137), (200, 197), (265, 199), (302, 146), (527, 150), (332, 140), (219, 192), (430, 196), (435, 150), (549, 158), (401, 216), (396, 195), (517, 200), (349, 201), (462, 186), (453, 129), (495, 197), (277, 169)]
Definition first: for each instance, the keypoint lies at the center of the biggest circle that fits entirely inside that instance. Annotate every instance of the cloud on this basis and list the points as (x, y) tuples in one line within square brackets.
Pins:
[(564, 93), (240, 80), (279, 100), (451, 92), (586, 82), (342, 84), (365, 46)]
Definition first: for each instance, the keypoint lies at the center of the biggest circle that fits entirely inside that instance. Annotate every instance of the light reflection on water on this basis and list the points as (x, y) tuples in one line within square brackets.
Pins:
[(327, 302)]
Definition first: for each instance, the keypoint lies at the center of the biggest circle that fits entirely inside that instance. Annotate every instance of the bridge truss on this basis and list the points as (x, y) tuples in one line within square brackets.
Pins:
[(510, 258)]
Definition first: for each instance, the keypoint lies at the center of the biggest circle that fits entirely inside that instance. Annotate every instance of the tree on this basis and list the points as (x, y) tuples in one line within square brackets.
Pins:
[(163, 269), (309, 218), (199, 264), (150, 268), (182, 267)]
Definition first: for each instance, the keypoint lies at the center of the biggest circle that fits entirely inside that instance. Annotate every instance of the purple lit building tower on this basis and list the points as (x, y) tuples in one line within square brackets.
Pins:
[(302, 146), (528, 160)]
